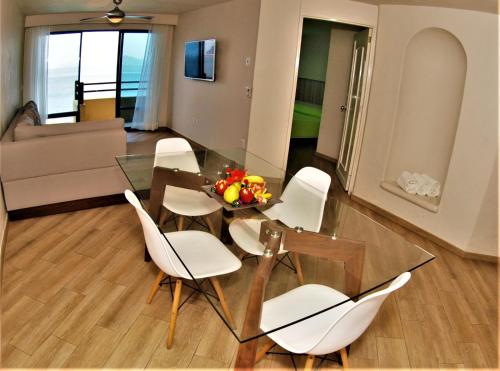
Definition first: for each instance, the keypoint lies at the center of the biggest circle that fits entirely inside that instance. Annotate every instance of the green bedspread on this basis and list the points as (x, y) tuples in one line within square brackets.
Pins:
[(306, 120)]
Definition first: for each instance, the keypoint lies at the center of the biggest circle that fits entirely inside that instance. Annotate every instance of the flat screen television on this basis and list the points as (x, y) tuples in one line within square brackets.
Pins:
[(199, 60)]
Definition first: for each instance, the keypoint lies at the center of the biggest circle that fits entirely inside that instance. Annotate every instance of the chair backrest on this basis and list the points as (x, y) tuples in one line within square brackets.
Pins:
[(353, 323), (176, 153), (303, 199), (157, 246)]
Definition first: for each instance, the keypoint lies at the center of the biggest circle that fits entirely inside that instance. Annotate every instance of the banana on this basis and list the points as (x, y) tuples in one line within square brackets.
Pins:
[(267, 196), (254, 179)]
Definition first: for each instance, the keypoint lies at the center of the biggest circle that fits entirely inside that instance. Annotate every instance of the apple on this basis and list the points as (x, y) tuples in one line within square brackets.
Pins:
[(246, 195), (220, 186)]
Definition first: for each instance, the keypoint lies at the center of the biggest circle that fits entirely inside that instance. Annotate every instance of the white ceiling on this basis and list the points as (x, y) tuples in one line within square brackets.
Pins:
[(490, 6), (32, 7)]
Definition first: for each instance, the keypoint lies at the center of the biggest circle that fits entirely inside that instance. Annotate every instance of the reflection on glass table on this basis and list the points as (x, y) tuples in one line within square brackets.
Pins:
[(352, 253)]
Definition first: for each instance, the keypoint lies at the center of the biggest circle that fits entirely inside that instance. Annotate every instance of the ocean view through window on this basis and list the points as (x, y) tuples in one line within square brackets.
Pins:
[(107, 63)]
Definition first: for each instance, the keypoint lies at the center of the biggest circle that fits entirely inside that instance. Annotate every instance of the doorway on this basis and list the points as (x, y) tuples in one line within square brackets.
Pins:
[(330, 88), (94, 75)]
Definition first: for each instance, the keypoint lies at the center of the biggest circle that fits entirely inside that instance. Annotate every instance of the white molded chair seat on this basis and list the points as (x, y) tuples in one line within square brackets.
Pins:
[(189, 202), (203, 253), (327, 332), (304, 300), (303, 204), (177, 153)]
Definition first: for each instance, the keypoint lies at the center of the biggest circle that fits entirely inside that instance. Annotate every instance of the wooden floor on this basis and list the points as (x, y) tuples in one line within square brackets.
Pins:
[(75, 286)]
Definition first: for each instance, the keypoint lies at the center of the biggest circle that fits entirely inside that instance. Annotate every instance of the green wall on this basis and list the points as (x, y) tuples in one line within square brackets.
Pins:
[(314, 49)]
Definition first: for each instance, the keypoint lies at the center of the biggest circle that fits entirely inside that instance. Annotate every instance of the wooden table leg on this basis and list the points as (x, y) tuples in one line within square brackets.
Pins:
[(247, 352)]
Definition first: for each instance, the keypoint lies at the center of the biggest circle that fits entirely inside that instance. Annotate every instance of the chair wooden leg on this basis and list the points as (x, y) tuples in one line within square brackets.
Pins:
[(343, 356), (173, 315), (218, 289), (241, 255), (211, 226), (180, 223), (164, 214), (298, 266), (309, 363), (265, 348), (155, 286)]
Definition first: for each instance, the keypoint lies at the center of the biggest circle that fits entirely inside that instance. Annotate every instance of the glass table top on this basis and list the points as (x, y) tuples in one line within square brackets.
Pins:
[(386, 253)]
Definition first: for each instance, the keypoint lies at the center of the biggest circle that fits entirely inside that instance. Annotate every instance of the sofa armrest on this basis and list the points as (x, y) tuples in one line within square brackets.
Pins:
[(62, 153)]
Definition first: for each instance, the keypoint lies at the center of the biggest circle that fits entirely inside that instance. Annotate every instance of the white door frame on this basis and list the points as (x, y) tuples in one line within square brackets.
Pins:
[(365, 91)]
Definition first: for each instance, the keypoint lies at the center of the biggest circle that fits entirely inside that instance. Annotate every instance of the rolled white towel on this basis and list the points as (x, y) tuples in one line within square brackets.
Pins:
[(407, 182), (434, 187), (424, 184)]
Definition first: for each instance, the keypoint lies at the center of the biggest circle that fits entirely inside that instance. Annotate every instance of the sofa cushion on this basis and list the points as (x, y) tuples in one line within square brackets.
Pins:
[(25, 132), (31, 109)]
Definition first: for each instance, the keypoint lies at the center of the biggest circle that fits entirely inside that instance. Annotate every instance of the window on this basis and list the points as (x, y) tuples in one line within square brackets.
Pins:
[(63, 71), (107, 63)]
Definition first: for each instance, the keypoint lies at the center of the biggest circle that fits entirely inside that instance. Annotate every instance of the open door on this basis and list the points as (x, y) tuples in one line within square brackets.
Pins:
[(354, 99)]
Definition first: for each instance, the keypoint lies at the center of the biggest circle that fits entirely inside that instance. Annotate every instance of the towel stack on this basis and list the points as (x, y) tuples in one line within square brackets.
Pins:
[(419, 184)]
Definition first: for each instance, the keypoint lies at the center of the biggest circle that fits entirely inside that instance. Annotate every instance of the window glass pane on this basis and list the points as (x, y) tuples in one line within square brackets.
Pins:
[(134, 47), (63, 60), (99, 61)]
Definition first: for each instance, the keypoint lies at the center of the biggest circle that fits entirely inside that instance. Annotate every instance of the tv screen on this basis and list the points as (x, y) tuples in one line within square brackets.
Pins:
[(199, 60)]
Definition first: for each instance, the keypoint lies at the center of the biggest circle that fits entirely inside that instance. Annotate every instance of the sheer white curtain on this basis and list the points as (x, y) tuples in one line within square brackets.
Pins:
[(35, 77), (153, 85)]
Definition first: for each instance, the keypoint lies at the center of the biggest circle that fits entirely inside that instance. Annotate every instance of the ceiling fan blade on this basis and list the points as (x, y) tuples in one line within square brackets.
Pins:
[(92, 19), (143, 17)]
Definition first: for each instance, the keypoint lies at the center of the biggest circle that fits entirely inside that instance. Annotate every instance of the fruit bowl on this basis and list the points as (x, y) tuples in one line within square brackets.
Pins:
[(239, 190)]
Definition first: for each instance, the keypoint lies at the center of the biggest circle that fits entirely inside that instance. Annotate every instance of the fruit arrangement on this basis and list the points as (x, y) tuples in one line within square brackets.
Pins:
[(238, 188)]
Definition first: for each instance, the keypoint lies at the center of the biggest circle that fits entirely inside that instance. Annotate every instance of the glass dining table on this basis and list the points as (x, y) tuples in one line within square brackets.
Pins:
[(351, 253)]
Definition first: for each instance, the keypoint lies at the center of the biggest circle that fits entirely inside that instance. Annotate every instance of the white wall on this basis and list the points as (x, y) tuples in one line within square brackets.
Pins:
[(11, 42), (216, 114), (466, 217), (280, 27), (336, 90)]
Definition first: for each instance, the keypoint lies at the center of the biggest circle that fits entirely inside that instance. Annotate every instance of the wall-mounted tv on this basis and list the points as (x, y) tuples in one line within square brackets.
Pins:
[(199, 60)]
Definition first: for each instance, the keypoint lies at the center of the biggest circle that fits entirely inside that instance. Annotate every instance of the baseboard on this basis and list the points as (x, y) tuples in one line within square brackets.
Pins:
[(3, 242), (68, 206), (415, 229), (321, 155)]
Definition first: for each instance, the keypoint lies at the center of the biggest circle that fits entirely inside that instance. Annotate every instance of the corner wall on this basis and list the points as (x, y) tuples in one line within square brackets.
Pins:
[(466, 217), (216, 114), (11, 62)]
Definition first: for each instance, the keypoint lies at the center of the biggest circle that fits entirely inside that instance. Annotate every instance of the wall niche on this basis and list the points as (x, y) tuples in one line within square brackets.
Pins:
[(430, 100)]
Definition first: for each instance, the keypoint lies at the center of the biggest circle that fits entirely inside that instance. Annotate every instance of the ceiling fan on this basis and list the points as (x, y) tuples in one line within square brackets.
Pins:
[(117, 15)]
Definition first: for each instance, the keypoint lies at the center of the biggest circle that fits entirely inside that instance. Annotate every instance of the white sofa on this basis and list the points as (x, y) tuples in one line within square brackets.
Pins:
[(51, 164)]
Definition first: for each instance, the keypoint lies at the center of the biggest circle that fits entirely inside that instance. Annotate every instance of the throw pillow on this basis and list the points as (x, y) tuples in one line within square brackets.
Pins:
[(31, 109)]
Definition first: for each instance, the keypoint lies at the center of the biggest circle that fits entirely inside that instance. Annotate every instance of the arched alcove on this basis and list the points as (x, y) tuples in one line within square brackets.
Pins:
[(430, 99)]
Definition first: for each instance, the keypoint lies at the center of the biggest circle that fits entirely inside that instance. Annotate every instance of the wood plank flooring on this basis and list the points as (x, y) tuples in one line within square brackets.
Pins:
[(75, 288)]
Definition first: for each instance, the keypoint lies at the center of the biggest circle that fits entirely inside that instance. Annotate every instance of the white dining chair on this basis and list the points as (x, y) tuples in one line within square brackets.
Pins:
[(201, 252), (177, 153), (328, 332), (303, 205)]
